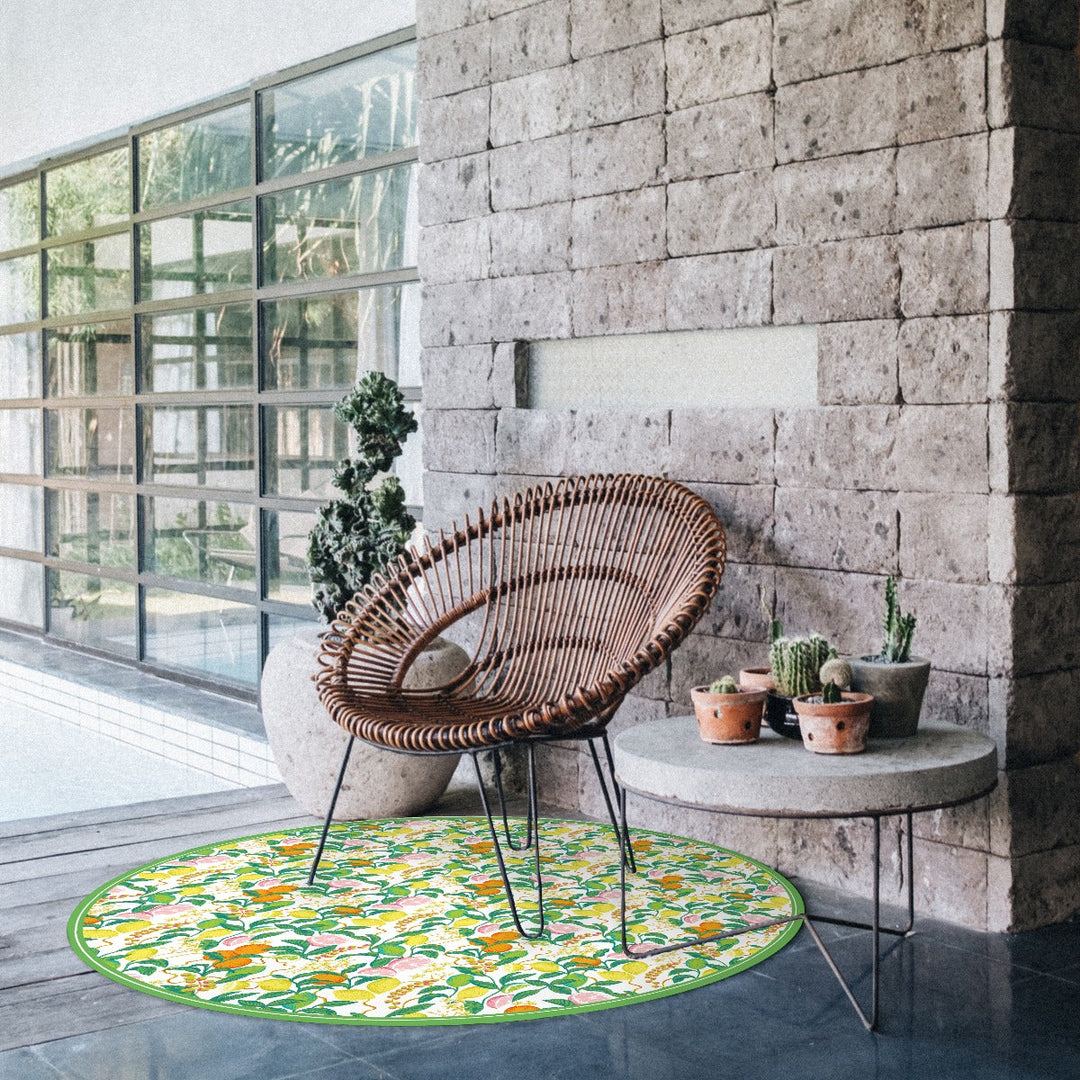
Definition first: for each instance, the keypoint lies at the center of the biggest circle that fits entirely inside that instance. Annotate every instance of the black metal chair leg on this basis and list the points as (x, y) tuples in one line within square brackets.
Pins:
[(330, 812), (496, 759), (498, 848), (625, 848)]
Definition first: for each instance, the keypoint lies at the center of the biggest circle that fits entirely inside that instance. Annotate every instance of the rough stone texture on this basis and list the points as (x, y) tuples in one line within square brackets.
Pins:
[(944, 360), (681, 15), (1026, 429), (1032, 86), (530, 174), (736, 612), (702, 658), (602, 26), (943, 536), (737, 448), (459, 59), (808, 601), (617, 157), (459, 440), (458, 313), (1048, 700), (1048, 22), (838, 448), (942, 94), (620, 299), (623, 228), (945, 271), (1033, 174), (619, 86), (533, 441), (448, 497), (857, 363), (721, 137), (718, 61), (612, 441), (535, 241), (746, 511), (454, 190), (942, 448), (943, 182), (455, 126), (529, 39), (458, 251), (473, 377), (1034, 890), (1033, 823), (723, 213), (534, 306), (1026, 261), (446, 15), (710, 291), (531, 107)]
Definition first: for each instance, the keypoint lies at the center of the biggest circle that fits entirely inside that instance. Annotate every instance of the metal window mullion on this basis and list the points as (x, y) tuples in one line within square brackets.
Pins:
[(342, 170), (291, 290), (43, 368)]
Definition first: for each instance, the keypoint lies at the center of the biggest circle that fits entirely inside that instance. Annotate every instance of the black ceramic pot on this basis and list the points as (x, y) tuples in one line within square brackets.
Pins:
[(780, 715)]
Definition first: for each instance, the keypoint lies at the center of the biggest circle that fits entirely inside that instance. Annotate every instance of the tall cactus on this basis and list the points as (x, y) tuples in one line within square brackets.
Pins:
[(898, 628), (796, 662)]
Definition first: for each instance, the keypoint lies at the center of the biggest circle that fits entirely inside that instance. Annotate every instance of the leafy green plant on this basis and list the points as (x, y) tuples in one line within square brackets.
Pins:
[(356, 536), (796, 663), (898, 627)]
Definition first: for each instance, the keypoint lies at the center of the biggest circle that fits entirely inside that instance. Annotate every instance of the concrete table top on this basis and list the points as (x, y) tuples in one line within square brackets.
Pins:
[(942, 765)]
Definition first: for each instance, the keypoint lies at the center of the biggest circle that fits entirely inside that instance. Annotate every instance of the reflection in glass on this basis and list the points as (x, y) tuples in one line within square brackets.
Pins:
[(215, 639), (285, 544), (203, 252), (199, 157), (90, 276), (20, 365), (20, 436), (20, 517), (93, 611), (22, 592), (18, 214), (282, 627), (95, 358), (352, 111), (213, 446), (92, 527), (327, 342), (20, 291), (96, 443), (303, 445), (351, 226), (200, 540), (88, 194), (207, 349)]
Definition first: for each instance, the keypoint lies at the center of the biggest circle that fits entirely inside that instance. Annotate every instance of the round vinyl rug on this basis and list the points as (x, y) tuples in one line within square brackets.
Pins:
[(408, 923)]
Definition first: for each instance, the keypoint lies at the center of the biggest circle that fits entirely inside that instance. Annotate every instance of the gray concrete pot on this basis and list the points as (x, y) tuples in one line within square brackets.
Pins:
[(898, 691), (308, 745)]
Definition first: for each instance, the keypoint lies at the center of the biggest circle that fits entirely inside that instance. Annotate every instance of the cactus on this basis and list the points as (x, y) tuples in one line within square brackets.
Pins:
[(898, 628), (795, 663), (837, 672), (726, 685), (776, 627), (831, 694)]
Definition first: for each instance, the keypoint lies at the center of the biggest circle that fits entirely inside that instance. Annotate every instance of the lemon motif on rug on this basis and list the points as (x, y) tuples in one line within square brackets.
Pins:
[(407, 923)]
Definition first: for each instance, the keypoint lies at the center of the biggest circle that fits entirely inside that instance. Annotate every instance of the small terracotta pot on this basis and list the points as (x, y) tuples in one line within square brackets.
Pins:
[(727, 719), (759, 678), (838, 728)]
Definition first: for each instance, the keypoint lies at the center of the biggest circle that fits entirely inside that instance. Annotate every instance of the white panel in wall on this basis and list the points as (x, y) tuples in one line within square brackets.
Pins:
[(770, 366)]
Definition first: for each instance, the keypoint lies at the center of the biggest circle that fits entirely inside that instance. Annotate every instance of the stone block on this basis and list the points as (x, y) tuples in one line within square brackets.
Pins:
[(682, 15), (1047, 538), (714, 291), (457, 313), (531, 307), (604, 26), (943, 448), (857, 363), (1033, 174), (532, 107), (1034, 718), (534, 241), (1035, 890), (746, 511), (1033, 822), (623, 228), (701, 658), (459, 377), (845, 608), (837, 530), (457, 251), (943, 536), (454, 126), (501, 7), (719, 61), (966, 826), (945, 271), (633, 711), (951, 884), (836, 198), (619, 86), (953, 624), (1045, 628), (736, 612), (530, 39), (454, 190), (944, 360), (722, 137), (510, 375), (1032, 86), (533, 442), (459, 59), (617, 157), (459, 440), (656, 686), (629, 299), (942, 182), (1026, 261), (557, 777), (1047, 22), (1043, 448), (723, 213), (613, 441), (1033, 355), (843, 447), (836, 282), (530, 174), (942, 94), (839, 114), (722, 446), (448, 497), (438, 16), (959, 699)]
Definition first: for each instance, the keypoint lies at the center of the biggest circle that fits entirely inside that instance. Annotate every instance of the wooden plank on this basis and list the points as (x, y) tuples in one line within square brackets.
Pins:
[(46, 965)]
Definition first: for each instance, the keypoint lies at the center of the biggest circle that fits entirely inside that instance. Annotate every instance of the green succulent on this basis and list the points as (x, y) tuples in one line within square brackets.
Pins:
[(796, 662), (896, 648), (726, 685)]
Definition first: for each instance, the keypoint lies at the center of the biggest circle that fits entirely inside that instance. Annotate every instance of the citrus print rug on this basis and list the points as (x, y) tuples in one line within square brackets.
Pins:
[(408, 923)]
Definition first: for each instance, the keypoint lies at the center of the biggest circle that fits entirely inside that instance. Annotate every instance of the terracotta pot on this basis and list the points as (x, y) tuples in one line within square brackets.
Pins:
[(727, 719), (897, 690), (837, 728), (760, 678)]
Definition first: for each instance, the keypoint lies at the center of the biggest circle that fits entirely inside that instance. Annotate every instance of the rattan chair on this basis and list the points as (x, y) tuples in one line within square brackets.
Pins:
[(574, 592)]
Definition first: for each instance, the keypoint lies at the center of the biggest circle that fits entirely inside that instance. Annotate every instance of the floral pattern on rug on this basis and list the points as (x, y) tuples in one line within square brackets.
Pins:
[(407, 922)]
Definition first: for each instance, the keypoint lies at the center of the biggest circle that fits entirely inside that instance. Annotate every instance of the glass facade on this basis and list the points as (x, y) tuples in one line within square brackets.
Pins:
[(180, 309)]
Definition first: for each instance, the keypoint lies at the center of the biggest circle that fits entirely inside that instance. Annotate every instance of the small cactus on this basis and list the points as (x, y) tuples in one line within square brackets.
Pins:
[(726, 685), (776, 627), (898, 628), (831, 694), (838, 672), (795, 663)]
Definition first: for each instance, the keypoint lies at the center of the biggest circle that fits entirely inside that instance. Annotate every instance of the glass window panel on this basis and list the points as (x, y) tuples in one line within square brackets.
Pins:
[(90, 276), (19, 214), (352, 111), (20, 517), (199, 157), (196, 446), (327, 342), (94, 611), (352, 226), (95, 443), (88, 194), (200, 540), (20, 365), (203, 252), (20, 436), (206, 349), (285, 544), (92, 359), (20, 289), (303, 445), (215, 639), (22, 592), (93, 527)]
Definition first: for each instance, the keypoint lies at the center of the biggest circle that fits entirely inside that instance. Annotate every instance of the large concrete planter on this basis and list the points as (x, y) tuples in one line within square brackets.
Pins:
[(898, 691), (308, 745)]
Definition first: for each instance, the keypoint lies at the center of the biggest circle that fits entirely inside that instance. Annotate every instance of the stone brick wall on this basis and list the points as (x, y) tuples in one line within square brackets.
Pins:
[(902, 174)]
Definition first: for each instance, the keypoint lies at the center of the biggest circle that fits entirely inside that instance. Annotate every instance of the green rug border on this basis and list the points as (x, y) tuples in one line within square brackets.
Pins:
[(80, 950)]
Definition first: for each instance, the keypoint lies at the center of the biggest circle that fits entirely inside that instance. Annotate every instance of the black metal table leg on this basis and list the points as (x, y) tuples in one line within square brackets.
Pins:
[(330, 812)]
